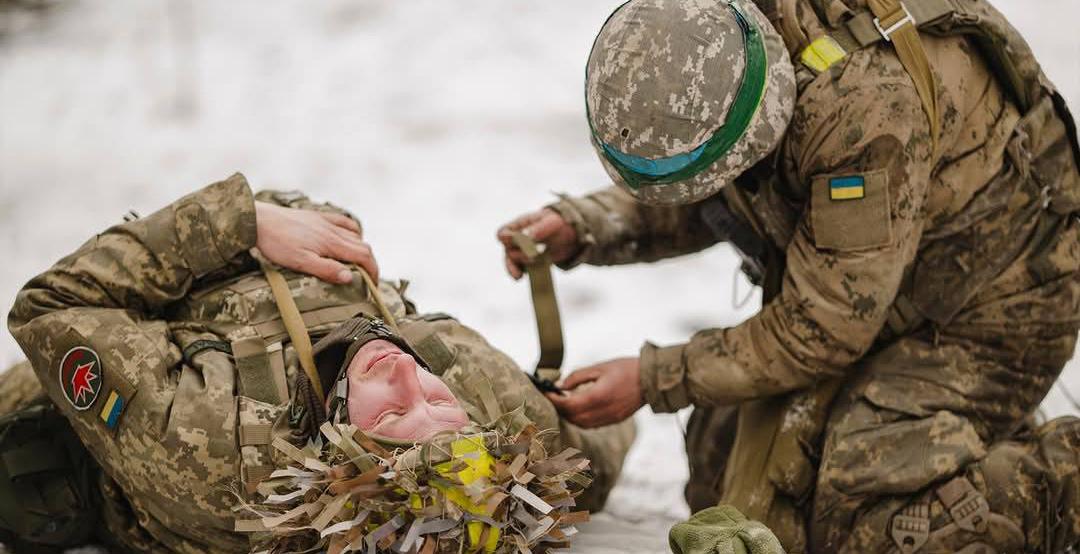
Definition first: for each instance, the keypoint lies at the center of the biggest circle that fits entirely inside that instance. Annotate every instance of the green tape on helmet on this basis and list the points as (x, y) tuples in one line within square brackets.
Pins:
[(639, 171)]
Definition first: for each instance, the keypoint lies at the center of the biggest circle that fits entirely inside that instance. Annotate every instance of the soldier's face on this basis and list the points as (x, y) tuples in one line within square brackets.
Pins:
[(391, 396)]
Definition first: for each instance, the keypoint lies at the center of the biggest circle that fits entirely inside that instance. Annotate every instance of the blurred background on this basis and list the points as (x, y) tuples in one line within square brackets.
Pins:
[(433, 121)]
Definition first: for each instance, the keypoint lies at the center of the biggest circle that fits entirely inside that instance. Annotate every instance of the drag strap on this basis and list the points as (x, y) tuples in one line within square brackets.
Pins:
[(294, 325), (546, 308)]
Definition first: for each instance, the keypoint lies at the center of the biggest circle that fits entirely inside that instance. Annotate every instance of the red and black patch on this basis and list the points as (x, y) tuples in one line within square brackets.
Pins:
[(80, 377)]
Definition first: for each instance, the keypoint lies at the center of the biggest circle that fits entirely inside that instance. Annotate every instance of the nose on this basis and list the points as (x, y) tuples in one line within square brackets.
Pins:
[(404, 378)]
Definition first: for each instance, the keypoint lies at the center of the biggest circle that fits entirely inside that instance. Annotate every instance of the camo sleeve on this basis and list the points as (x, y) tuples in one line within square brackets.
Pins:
[(93, 329), (860, 143), (613, 229)]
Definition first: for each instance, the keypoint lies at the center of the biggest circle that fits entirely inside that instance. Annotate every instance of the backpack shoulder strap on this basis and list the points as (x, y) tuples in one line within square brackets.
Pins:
[(893, 21)]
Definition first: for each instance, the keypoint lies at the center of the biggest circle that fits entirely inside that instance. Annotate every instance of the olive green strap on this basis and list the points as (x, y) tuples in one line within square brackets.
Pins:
[(546, 307), (33, 457)]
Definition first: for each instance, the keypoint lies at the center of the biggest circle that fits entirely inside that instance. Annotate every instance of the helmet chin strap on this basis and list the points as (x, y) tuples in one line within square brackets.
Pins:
[(356, 333)]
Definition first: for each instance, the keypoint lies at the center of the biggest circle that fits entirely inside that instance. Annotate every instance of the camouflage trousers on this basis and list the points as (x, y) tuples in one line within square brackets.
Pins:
[(930, 449)]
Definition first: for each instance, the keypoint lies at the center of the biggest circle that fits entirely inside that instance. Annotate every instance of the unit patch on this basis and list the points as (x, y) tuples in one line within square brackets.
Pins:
[(847, 188), (80, 377)]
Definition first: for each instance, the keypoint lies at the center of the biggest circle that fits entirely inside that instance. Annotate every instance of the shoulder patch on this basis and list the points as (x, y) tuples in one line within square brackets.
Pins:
[(851, 212), (80, 377)]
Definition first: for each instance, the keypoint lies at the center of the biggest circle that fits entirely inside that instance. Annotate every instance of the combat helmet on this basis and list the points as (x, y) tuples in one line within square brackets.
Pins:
[(685, 95), (335, 351)]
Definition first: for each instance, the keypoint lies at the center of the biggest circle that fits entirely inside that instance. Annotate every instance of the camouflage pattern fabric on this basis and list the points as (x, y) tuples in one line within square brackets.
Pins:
[(156, 337), (19, 388), (935, 291), (631, 65)]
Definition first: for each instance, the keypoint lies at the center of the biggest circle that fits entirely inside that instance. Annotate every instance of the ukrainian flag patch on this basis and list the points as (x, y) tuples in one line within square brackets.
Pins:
[(114, 406), (847, 188)]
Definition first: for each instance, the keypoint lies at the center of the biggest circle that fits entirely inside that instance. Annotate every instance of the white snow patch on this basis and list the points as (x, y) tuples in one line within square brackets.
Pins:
[(434, 121)]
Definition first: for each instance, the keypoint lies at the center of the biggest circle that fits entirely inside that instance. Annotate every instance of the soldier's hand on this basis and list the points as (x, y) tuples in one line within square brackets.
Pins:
[(312, 242), (545, 226), (603, 394)]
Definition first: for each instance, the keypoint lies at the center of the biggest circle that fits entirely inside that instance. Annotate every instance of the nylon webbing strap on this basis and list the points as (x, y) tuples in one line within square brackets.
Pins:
[(373, 292), (860, 31), (899, 27), (294, 325), (34, 457), (545, 306)]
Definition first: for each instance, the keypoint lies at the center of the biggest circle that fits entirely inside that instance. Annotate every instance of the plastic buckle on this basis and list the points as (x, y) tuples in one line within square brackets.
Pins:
[(887, 33), (911, 530), (971, 513), (544, 379)]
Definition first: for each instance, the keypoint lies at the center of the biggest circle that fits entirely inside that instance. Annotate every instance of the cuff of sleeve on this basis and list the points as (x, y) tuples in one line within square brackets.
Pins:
[(567, 208), (662, 373), (216, 224)]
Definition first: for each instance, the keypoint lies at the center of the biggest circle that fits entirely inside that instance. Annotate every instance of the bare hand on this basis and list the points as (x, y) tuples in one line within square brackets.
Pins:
[(545, 226), (602, 394), (312, 242)]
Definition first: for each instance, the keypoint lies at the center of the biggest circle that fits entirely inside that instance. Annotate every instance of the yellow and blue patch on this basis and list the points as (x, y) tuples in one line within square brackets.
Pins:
[(847, 188), (114, 406)]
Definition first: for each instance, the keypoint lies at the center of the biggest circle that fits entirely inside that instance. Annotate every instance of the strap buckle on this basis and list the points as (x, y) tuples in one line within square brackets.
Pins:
[(971, 513), (887, 33), (911, 528), (967, 506)]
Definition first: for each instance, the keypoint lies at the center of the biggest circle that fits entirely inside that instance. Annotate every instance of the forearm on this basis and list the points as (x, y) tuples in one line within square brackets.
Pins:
[(613, 229), (143, 265)]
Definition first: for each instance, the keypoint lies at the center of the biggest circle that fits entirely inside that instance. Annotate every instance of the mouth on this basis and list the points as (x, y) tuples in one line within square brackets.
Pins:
[(380, 357)]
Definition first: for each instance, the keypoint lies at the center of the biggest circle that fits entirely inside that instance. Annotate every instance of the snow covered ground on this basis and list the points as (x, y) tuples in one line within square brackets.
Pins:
[(434, 121)]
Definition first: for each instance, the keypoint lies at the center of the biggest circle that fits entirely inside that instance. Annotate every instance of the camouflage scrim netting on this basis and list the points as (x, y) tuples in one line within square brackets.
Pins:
[(665, 76), (485, 489)]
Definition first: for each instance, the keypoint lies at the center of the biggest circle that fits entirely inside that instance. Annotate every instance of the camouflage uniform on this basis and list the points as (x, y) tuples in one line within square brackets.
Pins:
[(932, 314), (193, 373)]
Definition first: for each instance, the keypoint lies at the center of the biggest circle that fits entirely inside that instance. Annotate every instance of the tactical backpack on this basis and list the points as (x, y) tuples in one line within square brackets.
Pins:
[(48, 482), (1047, 124)]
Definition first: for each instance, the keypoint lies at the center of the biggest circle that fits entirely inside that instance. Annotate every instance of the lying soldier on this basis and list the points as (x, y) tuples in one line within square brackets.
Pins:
[(179, 363)]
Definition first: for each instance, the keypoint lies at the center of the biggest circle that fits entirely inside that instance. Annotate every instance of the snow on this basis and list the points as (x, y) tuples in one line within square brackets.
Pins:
[(433, 121)]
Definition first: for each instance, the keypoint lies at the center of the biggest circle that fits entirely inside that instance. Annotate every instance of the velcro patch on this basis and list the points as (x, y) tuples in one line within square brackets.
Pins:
[(847, 188), (851, 212)]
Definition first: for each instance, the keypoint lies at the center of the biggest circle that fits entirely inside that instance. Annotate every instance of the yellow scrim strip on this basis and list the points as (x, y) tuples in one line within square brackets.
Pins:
[(847, 193), (822, 54), (479, 464)]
